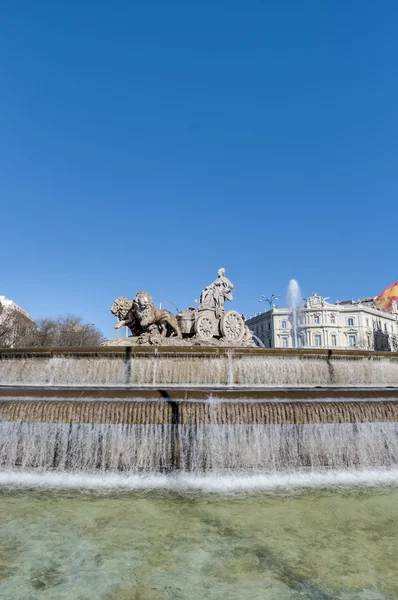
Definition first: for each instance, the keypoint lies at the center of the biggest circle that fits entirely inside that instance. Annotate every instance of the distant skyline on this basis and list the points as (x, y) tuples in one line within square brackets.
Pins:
[(146, 145)]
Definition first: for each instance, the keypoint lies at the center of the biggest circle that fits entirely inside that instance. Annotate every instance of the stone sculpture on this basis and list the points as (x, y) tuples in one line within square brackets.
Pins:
[(141, 316), (122, 308), (209, 325), (214, 296)]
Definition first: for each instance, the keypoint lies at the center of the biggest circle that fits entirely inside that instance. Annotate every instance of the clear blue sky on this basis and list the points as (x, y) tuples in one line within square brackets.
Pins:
[(143, 145)]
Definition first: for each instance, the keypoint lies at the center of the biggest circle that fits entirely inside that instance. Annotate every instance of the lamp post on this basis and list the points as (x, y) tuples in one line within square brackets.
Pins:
[(270, 300)]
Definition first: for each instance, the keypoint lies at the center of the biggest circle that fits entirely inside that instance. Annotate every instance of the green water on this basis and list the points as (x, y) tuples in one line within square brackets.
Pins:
[(157, 545)]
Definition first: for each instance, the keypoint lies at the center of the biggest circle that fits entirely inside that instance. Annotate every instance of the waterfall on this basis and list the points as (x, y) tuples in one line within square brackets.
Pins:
[(135, 448), (231, 378), (152, 411), (253, 367), (196, 413)]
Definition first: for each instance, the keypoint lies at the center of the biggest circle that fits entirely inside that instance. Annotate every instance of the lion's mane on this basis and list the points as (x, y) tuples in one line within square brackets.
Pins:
[(144, 309), (121, 308)]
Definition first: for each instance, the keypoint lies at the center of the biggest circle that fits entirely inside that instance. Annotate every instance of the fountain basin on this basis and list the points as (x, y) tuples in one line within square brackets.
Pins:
[(196, 366), (198, 409)]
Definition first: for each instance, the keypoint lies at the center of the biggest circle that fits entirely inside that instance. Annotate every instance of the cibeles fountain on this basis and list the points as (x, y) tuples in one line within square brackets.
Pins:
[(209, 325), (191, 393)]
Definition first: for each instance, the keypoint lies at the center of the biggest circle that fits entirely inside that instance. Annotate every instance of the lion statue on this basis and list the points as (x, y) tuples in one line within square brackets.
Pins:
[(141, 316), (122, 308)]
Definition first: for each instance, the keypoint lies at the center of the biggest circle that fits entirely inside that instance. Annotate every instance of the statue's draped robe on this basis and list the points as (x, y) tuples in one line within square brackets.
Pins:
[(215, 294)]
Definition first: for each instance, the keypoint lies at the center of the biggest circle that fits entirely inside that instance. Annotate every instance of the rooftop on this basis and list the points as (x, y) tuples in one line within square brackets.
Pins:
[(10, 304)]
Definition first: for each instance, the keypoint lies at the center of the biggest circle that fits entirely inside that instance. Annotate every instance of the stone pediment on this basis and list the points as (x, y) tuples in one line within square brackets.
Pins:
[(315, 301)]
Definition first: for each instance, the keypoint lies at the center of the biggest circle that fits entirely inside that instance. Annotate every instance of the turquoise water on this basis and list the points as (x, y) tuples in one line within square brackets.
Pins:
[(158, 545)]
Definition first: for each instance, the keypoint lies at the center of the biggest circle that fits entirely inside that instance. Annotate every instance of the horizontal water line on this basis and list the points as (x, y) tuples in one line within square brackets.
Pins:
[(209, 483), (199, 386)]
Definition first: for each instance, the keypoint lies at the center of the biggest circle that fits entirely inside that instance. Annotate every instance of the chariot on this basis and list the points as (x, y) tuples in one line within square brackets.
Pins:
[(205, 324)]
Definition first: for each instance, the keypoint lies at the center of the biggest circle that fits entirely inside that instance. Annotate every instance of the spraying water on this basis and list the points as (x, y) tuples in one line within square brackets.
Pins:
[(258, 341), (294, 301)]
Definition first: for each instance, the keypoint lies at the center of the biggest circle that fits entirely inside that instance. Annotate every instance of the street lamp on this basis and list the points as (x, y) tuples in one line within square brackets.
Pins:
[(270, 300)]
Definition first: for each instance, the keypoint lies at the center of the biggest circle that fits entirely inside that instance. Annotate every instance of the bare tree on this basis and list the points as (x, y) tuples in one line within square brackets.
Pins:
[(17, 329), (64, 332)]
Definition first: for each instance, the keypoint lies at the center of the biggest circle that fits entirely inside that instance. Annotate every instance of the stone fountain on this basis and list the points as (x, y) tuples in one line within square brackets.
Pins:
[(191, 392)]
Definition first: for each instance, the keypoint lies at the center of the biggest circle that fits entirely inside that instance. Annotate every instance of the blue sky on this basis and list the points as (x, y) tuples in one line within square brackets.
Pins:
[(143, 145)]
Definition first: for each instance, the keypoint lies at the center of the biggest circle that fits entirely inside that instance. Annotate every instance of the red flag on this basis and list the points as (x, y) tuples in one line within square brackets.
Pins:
[(385, 299)]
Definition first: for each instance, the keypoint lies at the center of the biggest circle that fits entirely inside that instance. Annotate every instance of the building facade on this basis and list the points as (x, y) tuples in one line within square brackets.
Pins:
[(15, 323), (321, 324)]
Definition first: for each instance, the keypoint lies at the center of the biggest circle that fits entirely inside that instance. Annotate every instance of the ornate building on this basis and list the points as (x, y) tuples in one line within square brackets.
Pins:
[(321, 324)]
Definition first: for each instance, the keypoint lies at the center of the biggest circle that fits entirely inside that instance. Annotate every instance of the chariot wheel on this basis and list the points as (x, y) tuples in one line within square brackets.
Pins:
[(204, 327), (232, 326)]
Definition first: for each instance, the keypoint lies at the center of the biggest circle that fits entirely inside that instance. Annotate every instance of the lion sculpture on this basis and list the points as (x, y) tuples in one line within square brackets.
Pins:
[(141, 316)]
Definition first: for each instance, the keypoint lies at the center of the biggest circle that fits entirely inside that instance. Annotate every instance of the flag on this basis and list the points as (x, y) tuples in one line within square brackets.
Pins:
[(385, 299)]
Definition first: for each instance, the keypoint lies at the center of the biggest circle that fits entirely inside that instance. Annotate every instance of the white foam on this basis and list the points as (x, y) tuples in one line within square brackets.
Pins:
[(210, 483)]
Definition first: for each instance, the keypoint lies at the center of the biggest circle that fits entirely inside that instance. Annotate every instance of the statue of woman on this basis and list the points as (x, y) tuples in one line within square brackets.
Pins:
[(215, 294)]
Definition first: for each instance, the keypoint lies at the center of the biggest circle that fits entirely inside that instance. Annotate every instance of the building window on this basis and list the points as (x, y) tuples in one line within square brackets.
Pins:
[(316, 319), (332, 319), (269, 344), (283, 324), (269, 326), (351, 322), (385, 327), (369, 340), (318, 340), (334, 340), (367, 322), (351, 340), (284, 342), (262, 328)]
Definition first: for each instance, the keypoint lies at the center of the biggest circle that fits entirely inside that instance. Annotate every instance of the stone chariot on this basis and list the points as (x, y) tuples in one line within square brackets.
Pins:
[(208, 325), (210, 319)]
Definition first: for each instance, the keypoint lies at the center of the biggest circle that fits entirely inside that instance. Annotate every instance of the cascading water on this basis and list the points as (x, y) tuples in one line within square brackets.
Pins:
[(65, 430), (196, 448), (294, 299), (164, 436), (252, 367)]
